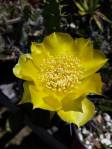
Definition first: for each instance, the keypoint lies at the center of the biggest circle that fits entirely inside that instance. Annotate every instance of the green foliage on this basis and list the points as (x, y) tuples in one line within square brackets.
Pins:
[(92, 8), (87, 6)]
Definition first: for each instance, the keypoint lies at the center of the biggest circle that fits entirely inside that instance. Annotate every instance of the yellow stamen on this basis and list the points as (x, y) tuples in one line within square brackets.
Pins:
[(60, 73)]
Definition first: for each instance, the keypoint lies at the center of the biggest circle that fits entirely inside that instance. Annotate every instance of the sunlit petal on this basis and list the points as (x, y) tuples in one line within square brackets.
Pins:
[(79, 118), (25, 69), (59, 44), (39, 100), (92, 84)]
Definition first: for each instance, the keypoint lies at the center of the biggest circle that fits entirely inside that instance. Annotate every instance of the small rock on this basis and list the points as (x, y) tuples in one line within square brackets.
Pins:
[(72, 25), (106, 141), (81, 137), (108, 136), (85, 131), (89, 147), (101, 136), (87, 142), (107, 117), (109, 124), (99, 119), (97, 143)]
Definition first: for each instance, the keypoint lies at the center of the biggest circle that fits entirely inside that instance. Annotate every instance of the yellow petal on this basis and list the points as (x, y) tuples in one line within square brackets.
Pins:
[(94, 64), (92, 84), (71, 104), (91, 60), (52, 102), (25, 69), (39, 100), (26, 94), (59, 44), (83, 49), (39, 53), (79, 118)]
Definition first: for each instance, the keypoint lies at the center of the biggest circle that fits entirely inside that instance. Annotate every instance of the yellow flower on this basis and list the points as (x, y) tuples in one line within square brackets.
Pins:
[(59, 73)]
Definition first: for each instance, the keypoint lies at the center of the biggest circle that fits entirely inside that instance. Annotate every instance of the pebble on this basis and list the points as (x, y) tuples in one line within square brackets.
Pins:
[(89, 147), (72, 25), (87, 142), (108, 136), (101, 136), (109, 123), (107, 117), (81, 137), (8, 90), (85, 131), (106, 141)]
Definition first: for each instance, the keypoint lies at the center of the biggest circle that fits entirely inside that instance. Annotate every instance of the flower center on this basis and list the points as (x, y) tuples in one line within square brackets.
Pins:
[(60, 73)]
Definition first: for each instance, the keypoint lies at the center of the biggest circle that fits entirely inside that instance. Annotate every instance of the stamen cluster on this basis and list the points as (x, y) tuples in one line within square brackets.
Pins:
[(61, 73)]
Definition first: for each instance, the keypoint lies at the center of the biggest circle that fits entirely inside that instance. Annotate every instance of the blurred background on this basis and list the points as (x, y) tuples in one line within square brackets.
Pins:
[(24, 21)]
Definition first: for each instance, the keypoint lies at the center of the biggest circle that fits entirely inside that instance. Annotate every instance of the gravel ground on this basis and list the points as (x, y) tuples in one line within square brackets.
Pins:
[(98, 133)]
